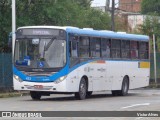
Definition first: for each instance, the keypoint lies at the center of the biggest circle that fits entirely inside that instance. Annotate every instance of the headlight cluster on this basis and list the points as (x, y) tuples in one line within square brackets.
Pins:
[(17, 78), (60, 79)]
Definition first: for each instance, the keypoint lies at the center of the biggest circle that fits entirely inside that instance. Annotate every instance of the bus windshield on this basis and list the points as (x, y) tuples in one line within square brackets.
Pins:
[(40, 53)]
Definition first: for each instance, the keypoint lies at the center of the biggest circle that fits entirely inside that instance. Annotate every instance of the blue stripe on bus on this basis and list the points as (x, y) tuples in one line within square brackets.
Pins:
[(62, 72), (80, 64)]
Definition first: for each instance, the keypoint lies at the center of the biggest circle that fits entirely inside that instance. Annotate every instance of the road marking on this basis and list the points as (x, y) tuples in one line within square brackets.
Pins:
[(139, 118), (135, 105)]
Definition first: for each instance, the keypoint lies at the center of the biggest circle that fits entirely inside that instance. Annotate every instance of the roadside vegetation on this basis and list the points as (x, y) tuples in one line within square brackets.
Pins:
[(50, 12)]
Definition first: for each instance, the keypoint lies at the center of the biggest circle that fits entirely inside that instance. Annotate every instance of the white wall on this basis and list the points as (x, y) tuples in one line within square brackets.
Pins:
[(135, 20)]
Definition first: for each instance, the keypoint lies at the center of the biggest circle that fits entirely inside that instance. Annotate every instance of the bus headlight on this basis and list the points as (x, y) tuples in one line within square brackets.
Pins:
[(60, 79), (17, 78)]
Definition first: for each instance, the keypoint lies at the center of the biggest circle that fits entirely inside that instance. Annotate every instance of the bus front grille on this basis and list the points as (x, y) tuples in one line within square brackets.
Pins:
[(39, 73)]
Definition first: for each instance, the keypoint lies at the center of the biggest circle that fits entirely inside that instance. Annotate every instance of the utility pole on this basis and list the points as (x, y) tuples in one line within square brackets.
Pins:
[(112, 14), (155, 68), (13, 25)]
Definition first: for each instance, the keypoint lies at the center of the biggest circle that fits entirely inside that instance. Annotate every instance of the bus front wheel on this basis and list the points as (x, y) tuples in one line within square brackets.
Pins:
[(35, 95), (81, 95)]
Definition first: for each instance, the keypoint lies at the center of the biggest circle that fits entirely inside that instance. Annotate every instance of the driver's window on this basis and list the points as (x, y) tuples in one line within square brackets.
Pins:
[(73, 47), (73, 50)]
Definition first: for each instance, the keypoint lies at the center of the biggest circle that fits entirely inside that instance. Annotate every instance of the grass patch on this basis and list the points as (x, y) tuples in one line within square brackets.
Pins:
[(13, 94), (153, 85)]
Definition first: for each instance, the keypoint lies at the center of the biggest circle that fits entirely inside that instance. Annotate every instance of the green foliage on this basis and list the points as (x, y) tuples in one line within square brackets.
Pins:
[(84, 3), (96, 19), (50, 12), (150, 6), (151, 25), (5, 23)]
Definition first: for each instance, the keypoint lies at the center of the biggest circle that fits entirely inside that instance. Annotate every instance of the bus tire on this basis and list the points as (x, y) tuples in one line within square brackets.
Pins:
[(125, 87), (35, 95), (81, 95)]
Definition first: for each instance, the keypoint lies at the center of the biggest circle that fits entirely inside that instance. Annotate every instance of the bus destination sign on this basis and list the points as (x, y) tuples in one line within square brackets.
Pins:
[(40, 31)]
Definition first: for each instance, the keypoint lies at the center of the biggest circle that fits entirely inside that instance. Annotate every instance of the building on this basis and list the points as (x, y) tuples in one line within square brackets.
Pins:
[(130, 5), (102, 5), (135, 20), (129, 12)]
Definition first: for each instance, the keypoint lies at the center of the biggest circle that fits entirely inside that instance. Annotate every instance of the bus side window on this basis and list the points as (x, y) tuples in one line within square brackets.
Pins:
[(143, 50), (125, 49), (73, 50), (116, 48), (95, 47), (134, 49), (105, 48), (84, 47)]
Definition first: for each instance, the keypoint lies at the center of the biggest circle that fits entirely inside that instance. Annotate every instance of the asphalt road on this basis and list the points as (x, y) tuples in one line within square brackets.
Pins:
[(137, 100)]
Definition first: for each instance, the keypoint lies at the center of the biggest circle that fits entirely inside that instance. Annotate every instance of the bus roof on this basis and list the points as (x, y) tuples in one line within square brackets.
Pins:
[(51, 27), (108, 34), (96, 33)]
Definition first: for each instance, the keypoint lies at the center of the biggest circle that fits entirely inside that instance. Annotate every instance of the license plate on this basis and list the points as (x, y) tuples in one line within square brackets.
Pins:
[(38, 86)]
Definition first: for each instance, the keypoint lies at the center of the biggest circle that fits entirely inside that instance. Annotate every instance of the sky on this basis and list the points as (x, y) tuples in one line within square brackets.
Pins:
[(101, 2)]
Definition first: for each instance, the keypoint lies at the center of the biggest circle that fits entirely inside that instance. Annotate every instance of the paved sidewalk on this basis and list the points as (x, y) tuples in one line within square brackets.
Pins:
[(146, 91), (142, 91)]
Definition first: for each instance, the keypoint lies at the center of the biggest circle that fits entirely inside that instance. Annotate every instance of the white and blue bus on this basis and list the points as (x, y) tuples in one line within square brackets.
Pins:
[(52, 59)]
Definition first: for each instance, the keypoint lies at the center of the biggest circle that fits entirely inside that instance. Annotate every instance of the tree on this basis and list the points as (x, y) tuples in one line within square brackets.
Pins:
[(150, 6), (5, 23), (50, 12), (96, 19), (84, 3), (151, 25)]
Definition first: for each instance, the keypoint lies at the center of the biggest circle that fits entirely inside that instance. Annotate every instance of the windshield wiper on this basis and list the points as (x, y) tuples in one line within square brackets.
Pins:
[(46, 47)]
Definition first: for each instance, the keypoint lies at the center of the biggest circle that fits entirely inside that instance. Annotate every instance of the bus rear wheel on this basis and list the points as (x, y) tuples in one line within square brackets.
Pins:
[(124, 88), (35, 95), (81, 95)]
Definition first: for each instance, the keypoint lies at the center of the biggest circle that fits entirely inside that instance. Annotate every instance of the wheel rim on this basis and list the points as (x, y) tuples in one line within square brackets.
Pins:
[(125, 87), (82, 89)]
